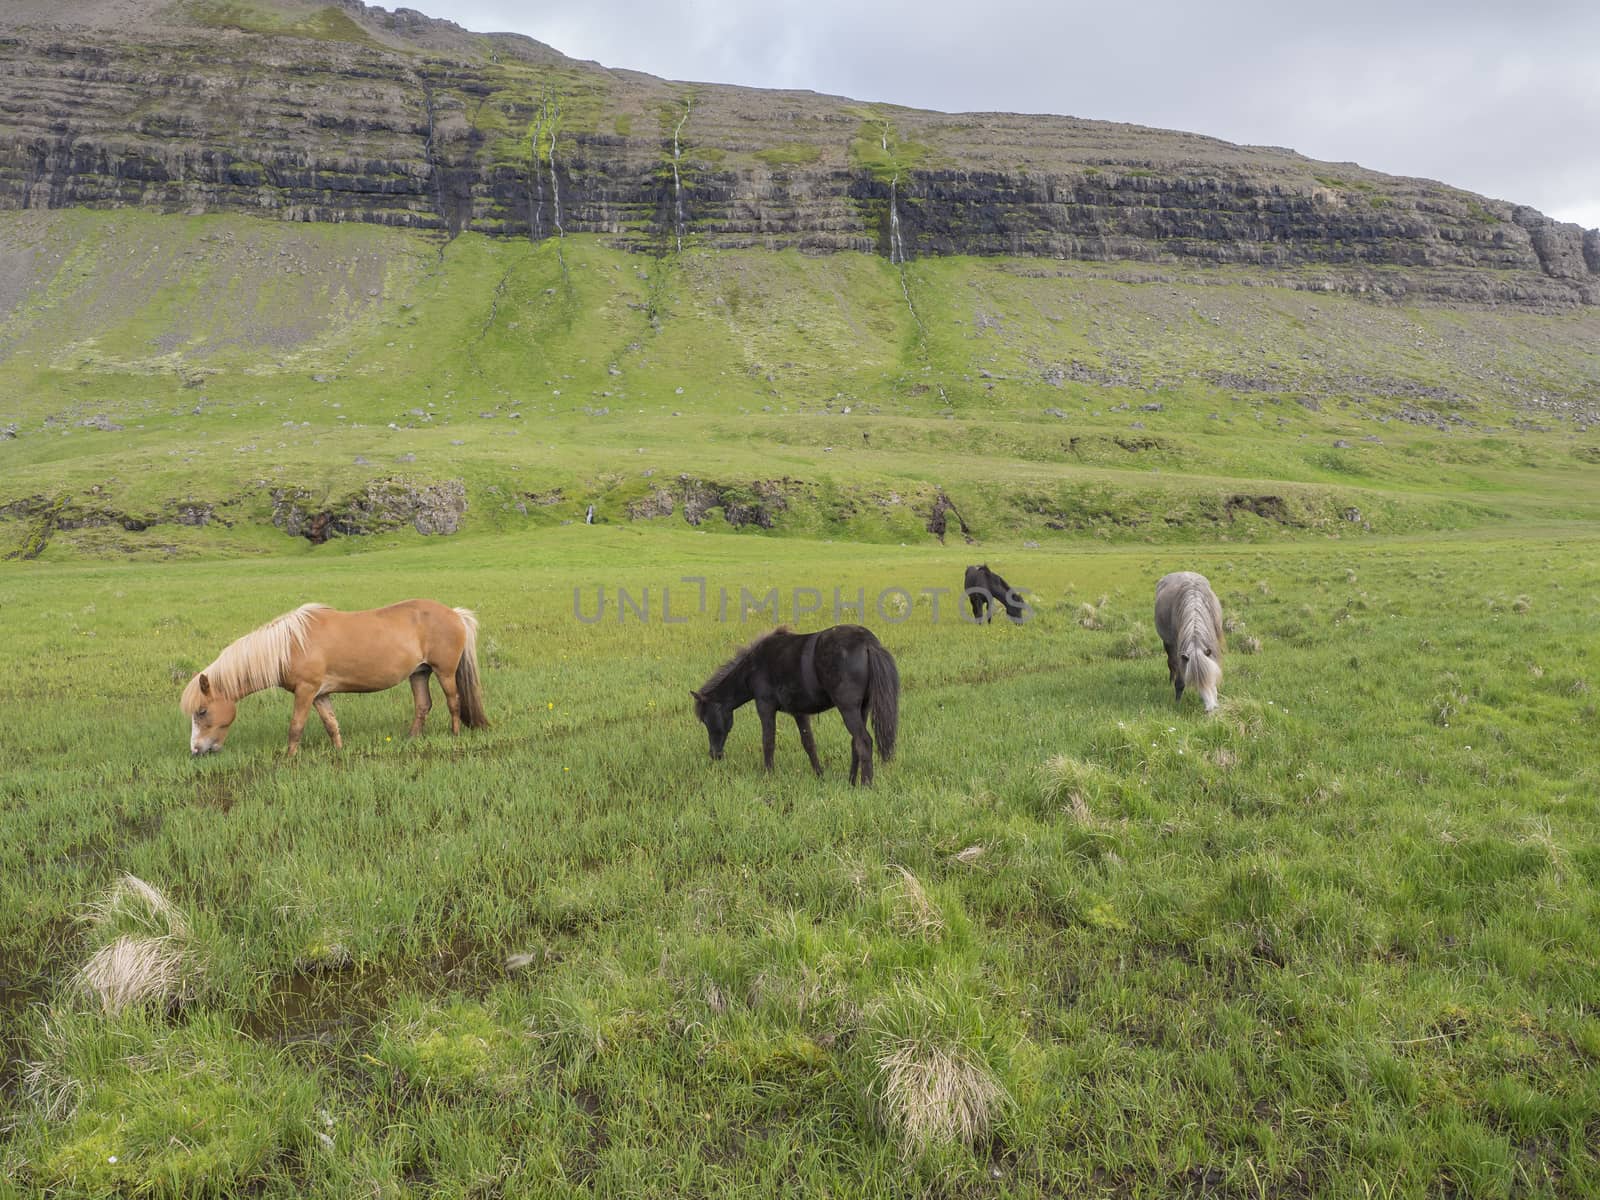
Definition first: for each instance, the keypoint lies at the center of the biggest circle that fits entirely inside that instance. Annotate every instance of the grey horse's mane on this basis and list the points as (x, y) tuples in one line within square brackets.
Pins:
[(1199, 636)]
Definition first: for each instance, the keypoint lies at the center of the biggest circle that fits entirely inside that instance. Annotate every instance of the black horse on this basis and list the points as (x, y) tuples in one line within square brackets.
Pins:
[(844, 667), (984, 588)]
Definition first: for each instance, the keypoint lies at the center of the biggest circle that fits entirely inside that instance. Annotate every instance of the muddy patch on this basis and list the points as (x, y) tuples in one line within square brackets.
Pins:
[(17, 995), (323, 1004)]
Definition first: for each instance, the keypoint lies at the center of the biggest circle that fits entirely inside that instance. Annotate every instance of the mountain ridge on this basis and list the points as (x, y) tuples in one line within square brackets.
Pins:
[(345, 111)]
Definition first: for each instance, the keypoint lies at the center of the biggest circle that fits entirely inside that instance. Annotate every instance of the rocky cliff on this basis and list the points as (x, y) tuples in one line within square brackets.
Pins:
[(343, 112)]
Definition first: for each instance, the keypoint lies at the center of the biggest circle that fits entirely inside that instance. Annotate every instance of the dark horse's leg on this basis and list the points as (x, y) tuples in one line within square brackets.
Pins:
[(769, 731), (803, 722), (855, 720), (424, 702), (1174, 673), (978, 604)]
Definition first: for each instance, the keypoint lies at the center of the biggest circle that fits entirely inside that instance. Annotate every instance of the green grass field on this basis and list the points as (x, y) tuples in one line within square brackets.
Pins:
[(1339, 939)]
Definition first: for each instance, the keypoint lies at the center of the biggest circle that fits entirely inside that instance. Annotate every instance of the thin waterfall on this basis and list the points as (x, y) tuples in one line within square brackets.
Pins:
[(677, 181), (536, 216), (555, 183), (897, 248)]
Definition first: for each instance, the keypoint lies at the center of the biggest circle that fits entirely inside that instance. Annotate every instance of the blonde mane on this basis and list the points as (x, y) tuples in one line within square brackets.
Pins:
[(256, 661)]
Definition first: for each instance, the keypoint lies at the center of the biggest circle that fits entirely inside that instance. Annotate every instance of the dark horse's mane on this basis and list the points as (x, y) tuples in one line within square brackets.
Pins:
[(728, 667)]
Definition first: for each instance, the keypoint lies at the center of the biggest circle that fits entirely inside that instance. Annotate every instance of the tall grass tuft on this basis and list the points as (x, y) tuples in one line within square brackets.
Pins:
[(914, 912), (934, 1083), (1074, 786), (150, 957)]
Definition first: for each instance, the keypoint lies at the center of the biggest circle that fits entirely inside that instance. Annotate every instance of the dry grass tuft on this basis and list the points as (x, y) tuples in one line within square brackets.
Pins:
[(1072, 784), (1249, 644), (1089, 617), (934, 1093), (915, 914), (132, 902), (1079, 808), (1246, 719), (132, 971), (1540, 835), (149, 959), (47, 1081)]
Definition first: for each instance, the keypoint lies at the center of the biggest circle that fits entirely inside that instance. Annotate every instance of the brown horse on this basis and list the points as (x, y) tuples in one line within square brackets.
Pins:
[(316, 651)]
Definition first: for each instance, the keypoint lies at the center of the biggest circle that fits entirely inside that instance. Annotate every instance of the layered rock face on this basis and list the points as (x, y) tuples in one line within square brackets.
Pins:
[(342, 112)]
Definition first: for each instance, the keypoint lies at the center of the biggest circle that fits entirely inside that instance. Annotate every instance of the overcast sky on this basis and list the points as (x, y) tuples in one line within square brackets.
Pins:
[(1501, 98)]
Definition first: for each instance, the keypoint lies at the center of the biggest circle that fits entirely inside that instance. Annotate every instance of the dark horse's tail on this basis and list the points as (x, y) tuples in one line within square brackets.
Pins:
[(883, 698), (468, 689)]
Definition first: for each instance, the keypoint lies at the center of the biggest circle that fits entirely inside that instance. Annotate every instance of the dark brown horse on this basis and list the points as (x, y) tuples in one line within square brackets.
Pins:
[(985, 589), (802, 674)]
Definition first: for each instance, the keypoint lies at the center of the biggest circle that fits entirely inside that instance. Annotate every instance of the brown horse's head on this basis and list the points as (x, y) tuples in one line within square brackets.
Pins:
[(209, 712)]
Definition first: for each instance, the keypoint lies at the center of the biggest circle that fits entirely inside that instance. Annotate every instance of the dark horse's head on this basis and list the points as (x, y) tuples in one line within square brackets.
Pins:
[(981, 577), (717, 718)]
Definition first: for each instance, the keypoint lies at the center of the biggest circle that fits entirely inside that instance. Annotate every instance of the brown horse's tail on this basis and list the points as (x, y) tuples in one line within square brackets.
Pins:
[(468, 689), (883, 698)]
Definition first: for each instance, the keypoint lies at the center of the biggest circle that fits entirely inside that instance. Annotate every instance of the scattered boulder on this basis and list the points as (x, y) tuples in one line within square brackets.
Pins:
[(659, 503), (382, 506), (1268, 508)]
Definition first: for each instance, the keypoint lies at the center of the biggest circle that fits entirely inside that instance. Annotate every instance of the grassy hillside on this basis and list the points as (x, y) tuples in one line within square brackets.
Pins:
[(240, 358)]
